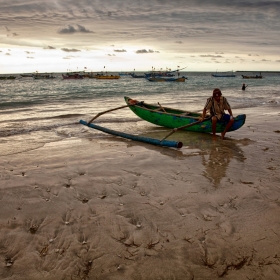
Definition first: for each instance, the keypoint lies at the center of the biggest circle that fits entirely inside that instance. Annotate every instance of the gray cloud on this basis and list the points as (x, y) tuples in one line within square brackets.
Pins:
[(146, 51), (120, 50), (71, 30), (49, 48), (210, 55), (70, 50)]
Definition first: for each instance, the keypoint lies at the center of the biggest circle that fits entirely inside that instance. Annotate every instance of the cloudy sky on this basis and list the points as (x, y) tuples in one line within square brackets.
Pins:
[(123, 35)]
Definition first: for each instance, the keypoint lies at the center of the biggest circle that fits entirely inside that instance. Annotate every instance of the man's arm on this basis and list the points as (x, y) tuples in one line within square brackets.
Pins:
[(203, 115), (230, 112)]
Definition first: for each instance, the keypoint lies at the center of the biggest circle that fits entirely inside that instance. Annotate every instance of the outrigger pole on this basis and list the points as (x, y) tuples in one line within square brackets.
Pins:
[(166, 143)]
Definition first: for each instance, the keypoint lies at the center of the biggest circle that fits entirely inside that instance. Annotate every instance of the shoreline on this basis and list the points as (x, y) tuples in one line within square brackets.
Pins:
[(116, 209)]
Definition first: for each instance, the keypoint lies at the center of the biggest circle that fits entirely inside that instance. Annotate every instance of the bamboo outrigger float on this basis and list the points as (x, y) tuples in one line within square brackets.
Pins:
[(166, 143)]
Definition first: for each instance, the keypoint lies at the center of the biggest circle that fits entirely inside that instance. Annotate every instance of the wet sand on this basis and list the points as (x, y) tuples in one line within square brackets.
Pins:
[(117, 209)]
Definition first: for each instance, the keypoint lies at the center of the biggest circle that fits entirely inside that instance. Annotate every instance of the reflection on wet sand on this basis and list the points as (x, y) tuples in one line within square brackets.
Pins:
[(216, 155), (217, 160)]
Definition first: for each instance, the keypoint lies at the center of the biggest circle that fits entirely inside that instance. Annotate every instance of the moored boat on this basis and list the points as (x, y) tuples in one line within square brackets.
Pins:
[(106, 77), (27, 75), (252, 77), (162, 79), (124, 74), (88, 75), (223, 75), (38, 76), (7, 77), (174, 118), (161, 73), (72, 76), (133, 75)]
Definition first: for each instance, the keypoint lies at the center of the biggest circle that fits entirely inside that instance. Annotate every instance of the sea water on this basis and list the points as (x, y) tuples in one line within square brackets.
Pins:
[(36, 112)]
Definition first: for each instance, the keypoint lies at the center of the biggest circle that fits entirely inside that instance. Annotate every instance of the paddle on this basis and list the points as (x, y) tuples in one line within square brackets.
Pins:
[(161, 107), (104, 112), (182, 127)]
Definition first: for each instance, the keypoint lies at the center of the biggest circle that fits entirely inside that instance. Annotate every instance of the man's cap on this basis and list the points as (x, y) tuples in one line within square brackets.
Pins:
[(217, 92)]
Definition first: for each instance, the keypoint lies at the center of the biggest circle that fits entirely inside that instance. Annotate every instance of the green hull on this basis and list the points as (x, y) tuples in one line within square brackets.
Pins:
[(173, 118)]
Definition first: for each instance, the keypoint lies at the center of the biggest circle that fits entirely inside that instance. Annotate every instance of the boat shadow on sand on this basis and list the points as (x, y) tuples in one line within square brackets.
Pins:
[(216, 155)]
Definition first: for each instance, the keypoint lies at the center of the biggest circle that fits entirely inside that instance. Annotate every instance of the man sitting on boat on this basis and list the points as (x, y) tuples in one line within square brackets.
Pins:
[(217, 104)]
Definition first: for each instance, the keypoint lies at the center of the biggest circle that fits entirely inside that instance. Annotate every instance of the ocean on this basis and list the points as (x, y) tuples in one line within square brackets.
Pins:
[(36, 112)]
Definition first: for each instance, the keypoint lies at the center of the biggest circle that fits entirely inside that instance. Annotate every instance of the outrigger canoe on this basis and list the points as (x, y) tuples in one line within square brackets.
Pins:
[(174, 118)]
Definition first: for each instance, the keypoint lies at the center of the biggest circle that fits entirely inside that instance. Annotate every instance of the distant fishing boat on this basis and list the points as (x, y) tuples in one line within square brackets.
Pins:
[(252, 77), (38, 76), (167, 73), (26, 75), (224, 75), (7, 77), (72, 76), (89, 75), (162, 79), (133, 75), (106, 77), (159, 74), (124, 74)]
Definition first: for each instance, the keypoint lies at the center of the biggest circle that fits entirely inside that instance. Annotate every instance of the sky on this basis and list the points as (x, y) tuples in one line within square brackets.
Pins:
[(139, 35)]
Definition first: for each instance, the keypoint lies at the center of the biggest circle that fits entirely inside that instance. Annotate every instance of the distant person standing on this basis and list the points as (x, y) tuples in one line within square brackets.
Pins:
[(244, 87)]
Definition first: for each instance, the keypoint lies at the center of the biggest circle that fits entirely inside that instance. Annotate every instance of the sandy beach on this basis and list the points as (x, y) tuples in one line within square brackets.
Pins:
[(117, 209)]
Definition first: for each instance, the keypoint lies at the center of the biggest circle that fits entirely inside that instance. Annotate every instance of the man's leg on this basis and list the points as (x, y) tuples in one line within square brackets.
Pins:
[(230, 123), (214, 124)]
